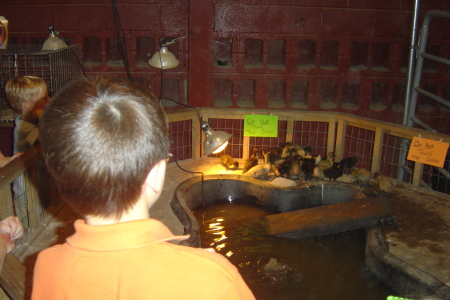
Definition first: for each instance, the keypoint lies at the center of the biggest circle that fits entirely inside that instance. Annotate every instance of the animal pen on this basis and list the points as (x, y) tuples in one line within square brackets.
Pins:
[(377, 145)]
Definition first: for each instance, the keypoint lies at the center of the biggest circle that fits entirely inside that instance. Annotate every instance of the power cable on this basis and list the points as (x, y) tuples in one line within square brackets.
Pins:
[(120, 33)]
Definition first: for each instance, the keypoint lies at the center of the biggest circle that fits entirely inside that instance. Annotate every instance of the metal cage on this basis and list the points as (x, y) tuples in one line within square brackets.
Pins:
[(56, 68)]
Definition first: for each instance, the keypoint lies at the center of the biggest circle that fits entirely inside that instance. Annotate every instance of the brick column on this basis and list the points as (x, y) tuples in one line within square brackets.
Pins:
[(200, 54)]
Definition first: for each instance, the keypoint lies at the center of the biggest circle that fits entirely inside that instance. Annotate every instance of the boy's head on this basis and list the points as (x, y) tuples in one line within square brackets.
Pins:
[(29, 92), (101, 137)]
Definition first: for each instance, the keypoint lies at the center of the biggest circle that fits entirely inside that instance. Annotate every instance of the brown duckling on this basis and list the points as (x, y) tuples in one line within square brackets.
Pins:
[(384, 183), (363, 175), (229, 162), (251, 161)]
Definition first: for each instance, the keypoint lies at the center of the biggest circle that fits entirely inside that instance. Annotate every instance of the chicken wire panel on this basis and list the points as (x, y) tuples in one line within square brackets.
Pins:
[(56, 67), (180, 135), (236, 128), (313, 134), (359, 142), (438, 178), (391, 163), (265, 143)]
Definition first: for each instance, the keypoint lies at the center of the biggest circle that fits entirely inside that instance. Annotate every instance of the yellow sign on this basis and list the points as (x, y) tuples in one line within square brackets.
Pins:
[(261, 125), (428, 152)]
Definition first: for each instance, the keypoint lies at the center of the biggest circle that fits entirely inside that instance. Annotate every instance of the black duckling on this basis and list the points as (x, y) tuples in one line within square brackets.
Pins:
[(308, 150), (288, 165), (272, 157), (229, 162), (334, 172), (251, 161), (307, 166), (347, 163)]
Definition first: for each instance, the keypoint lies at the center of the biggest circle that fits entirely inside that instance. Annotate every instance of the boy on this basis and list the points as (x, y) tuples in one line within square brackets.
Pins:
[(27, 95), (105, 141)]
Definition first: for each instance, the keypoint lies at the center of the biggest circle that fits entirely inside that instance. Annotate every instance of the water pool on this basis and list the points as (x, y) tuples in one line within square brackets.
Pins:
[(325, 267)]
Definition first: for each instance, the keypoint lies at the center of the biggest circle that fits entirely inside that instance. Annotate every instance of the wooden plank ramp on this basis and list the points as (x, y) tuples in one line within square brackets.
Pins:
[(328, 219)]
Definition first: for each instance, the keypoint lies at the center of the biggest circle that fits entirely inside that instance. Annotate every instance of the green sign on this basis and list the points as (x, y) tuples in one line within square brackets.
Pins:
[(261, 125)]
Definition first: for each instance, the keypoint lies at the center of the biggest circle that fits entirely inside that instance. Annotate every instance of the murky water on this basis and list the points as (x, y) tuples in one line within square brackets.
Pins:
[(326, 268)]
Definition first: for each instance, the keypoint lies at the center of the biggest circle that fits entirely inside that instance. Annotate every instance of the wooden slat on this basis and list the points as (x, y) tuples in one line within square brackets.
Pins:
[(18, 165), (330, 218)]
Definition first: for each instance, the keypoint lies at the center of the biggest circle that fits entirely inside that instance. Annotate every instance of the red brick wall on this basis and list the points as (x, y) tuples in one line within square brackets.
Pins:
[(331, 55)]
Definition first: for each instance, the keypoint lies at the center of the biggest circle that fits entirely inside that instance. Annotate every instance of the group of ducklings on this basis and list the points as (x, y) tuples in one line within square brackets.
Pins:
[(298, 163)]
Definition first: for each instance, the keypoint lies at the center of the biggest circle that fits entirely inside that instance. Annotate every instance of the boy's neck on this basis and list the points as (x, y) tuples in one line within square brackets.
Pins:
[(29, 116), (138, 212)]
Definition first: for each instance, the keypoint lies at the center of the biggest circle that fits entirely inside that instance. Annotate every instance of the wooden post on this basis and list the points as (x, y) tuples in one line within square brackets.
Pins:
[(377, 149)]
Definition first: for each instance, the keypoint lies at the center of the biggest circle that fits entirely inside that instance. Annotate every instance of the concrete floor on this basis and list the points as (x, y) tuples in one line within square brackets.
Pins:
[(420, 237)]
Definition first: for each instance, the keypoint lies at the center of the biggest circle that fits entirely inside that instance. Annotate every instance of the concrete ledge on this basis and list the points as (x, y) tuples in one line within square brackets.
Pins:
[(398, 274)]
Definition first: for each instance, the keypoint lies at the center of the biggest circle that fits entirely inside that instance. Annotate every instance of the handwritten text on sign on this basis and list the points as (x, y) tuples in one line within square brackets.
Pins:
[(428, 152), (261, 125)]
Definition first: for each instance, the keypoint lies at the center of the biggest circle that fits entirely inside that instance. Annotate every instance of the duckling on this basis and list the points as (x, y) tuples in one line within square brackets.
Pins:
[(301, 152), (330, 157), (308, 150), (363, 175), (251, 161), (318, 170), (284, 168), (348, 178), (384, 183), (272, 157), (229, 162), (287, 149), (347, 163), (327, 163), (308, 166), (262, 169), (334, 172), (317, 158), (295, 167)]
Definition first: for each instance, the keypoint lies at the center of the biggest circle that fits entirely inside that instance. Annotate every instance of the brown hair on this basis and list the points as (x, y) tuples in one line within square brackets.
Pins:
[(101, 137), (23, 89)]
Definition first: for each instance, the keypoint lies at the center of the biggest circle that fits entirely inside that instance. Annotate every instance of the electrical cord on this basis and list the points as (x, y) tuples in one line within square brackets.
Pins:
[(120, 33)]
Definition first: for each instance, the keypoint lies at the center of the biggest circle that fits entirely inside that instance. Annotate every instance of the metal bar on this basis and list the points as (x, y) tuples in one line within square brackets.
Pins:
[(419, 64), (444, 172), (432, 96), (411, 61), (422, 124), (436, 58)]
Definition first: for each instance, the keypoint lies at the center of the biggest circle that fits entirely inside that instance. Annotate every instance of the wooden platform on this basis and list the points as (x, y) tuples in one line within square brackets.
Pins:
[(328, 219)]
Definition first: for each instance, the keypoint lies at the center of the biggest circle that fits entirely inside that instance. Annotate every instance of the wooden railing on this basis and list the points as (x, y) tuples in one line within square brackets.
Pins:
[(36, 206)]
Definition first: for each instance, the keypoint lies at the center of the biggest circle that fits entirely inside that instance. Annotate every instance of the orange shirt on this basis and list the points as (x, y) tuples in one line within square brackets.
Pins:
[(133, 260)]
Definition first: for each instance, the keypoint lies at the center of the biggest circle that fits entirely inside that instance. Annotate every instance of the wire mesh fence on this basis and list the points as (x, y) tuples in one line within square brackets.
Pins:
[(322, 135)]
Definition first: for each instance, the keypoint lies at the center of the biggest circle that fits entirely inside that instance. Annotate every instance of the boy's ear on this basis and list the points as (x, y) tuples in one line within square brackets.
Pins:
[(155, 179), (29, 106)]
